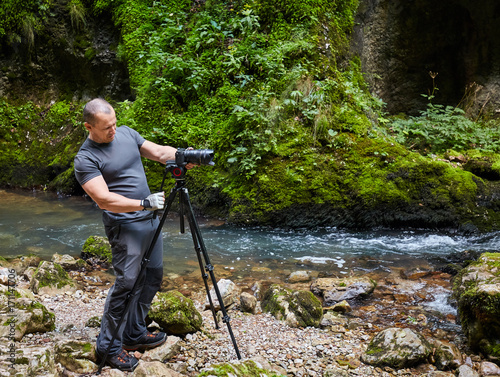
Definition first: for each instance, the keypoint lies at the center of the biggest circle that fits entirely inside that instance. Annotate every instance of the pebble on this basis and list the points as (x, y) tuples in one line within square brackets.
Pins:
[(308, 352)]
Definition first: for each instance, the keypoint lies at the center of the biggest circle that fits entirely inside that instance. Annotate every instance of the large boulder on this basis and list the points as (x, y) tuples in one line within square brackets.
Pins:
[(296, 308), (334, 290), (50, 278), (397, 348), (31, 361), (97, 250), (76, 356), (175, 313), (24, 315), (243, 368), (477, 291)]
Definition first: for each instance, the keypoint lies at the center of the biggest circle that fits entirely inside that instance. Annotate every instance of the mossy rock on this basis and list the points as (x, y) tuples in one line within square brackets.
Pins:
[(51, 278), (296, 308), (397, 348), (21, 263), (76, 356), (247, 368), (175, 313), (30, 316), (97, 247), (94, 322), (477, 291)]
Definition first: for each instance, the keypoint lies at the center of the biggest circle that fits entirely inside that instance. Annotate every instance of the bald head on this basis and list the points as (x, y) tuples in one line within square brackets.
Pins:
[(94, 107), (100, 120)]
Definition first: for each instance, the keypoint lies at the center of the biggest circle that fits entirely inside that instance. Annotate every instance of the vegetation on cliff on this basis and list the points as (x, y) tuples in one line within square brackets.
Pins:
[(272, 88)]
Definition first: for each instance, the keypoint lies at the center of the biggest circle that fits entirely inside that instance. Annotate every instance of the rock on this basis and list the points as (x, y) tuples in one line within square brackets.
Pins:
[(466, 371), (248, 303), (239, 369), (228, 291), (446, 356), (22, 263), (175, 313), (415, 273), (29, 273), (296, 308), (97, 247), (299, 277), (438, 373), (164, 352), (257, 290), (28, 316), (35, 361), (476, 289), (334, 290), (336, 319), (50, 278), (7, 276), (154, 368), (335, 371), (488, 368), (262, 363), (397, 348), (76, 356), (94, 322), (342, 307), (67, 262)]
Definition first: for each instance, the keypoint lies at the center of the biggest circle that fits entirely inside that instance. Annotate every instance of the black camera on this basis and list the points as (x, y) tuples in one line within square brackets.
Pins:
[(194, 156)]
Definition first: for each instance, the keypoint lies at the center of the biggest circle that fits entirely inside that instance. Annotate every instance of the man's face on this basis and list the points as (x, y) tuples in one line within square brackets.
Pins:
[(104, 128)]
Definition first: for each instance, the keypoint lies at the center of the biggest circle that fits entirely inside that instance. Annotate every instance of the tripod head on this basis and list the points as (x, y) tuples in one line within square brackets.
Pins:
[(177, 172), (177, 168)]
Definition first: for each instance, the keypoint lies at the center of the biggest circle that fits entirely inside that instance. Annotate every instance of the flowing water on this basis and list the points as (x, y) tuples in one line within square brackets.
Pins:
[(44, 223)]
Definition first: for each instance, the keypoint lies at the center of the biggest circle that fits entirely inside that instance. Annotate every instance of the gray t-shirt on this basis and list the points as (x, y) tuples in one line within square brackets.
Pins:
[(119, 162)]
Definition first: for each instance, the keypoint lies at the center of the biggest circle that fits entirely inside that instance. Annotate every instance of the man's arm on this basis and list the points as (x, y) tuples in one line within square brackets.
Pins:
[(99, 192), (155, 152)]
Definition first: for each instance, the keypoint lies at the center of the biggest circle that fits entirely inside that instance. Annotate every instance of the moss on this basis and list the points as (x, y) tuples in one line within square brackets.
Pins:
[(56, 277), (380, 180), (245, 369), (175, 313), (307, 309), (478, 309), (46, 317), (97, 246), (373, 350)]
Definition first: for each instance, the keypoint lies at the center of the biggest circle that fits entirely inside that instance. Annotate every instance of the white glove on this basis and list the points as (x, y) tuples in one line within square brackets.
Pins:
[(154, 202)]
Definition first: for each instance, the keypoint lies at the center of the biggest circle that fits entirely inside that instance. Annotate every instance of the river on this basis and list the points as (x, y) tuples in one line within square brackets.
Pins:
[(44, 223)]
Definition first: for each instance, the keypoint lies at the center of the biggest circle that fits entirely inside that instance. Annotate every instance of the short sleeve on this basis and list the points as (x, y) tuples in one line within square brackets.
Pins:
[(85, 169)]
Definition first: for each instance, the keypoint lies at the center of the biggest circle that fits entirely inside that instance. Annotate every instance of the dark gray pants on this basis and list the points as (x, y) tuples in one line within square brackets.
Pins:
[(129, 243)]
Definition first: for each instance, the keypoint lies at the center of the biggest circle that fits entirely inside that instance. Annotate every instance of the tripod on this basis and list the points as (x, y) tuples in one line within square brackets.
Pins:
[(179, 173)]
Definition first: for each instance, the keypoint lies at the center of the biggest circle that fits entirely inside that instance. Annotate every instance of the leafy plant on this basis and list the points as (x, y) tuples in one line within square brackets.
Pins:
[(439, 128)]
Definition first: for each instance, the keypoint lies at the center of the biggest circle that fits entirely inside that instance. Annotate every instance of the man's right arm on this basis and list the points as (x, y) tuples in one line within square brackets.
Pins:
[(98, 190)]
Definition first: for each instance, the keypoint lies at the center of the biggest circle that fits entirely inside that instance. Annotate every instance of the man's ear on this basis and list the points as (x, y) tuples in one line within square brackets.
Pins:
[(88, 126)]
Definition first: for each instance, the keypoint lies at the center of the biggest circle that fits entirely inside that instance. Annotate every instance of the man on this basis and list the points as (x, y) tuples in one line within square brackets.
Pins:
[(109, 168)]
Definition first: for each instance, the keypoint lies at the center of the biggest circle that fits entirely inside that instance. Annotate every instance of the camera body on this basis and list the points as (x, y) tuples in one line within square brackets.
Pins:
[(194, 156)]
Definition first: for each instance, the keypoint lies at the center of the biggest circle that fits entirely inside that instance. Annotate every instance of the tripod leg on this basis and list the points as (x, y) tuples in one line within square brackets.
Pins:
[(144, 262), (204, 275), (195, 231)]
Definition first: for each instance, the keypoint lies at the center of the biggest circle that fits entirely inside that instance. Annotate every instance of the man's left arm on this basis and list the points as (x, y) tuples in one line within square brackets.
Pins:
[(156, 152)]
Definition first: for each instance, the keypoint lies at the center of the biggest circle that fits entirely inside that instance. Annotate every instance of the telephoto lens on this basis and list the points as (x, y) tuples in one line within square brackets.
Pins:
[(194, 156)]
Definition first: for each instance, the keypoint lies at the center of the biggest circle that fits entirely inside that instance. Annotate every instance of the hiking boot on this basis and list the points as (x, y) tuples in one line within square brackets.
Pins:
[(122, 361), (147, 342)]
